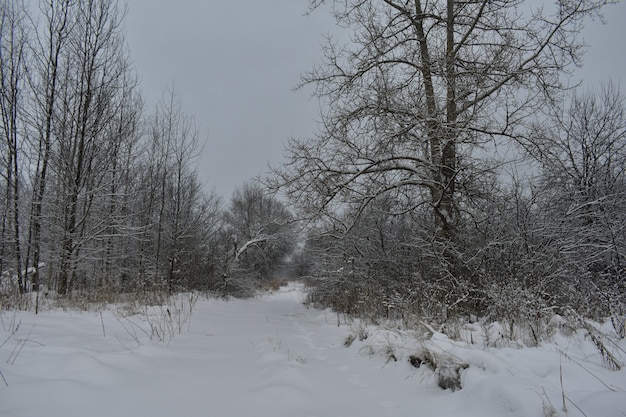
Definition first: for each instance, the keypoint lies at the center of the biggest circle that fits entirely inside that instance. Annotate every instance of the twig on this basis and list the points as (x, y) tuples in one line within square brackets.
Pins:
[(609, 359), (577, 407), (562, 388), (587, 370), (11, 335), (102, 321), (123, 345), (132, 326), (3, 378), (548, 408), (20, 347), (429, 328)]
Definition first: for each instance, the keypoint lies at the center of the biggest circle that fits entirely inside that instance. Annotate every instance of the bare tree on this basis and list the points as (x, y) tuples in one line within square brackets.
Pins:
[(582, 150), (417, 95), (114, 231), (13, 58), (173, 203), (94, 71), (49, 41), (261, 230)]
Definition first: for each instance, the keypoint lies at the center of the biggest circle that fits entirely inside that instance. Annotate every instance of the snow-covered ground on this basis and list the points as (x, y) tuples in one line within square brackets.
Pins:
[(271, 356)]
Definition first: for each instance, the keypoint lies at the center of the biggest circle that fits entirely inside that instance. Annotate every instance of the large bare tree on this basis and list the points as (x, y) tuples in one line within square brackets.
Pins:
[(412, 101)]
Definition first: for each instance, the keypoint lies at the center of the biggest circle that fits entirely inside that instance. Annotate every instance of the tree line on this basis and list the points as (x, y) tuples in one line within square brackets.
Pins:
[(98, 197)]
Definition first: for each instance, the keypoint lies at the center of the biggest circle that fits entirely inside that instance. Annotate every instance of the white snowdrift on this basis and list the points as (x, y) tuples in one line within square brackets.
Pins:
[(271, 356)]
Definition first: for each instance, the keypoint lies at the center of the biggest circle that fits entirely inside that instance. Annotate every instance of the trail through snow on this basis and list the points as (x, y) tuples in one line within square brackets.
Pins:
[(269, 356)]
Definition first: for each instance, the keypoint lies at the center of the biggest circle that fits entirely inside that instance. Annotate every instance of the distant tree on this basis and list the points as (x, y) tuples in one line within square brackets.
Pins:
[(201, 259), (171, 200), (582, 151), (370, 269), (556, 241), (260, 228)]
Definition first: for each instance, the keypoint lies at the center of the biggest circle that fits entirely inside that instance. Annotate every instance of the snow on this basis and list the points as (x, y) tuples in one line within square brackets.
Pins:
[(272, 356)]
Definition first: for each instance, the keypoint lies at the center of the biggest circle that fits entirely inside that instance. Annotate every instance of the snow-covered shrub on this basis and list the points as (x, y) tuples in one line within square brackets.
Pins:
[(446, 369)]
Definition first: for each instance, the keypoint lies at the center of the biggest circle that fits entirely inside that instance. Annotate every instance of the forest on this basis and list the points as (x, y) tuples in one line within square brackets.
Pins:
[(456, 174)]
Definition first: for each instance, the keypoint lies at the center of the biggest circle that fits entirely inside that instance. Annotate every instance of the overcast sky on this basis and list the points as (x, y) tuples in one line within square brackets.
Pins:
[(235, 64)]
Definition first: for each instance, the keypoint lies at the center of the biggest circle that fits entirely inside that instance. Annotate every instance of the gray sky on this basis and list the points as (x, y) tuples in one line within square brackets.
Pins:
[(235, 64)]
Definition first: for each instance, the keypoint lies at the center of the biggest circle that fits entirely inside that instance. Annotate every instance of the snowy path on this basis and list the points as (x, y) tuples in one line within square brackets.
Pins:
[(263, 357)]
